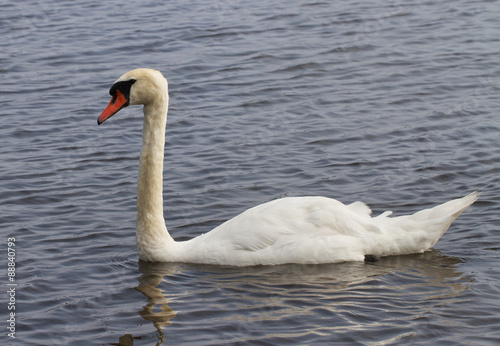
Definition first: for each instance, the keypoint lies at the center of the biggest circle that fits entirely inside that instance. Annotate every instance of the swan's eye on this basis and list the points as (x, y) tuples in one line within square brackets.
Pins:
[(123, 87)]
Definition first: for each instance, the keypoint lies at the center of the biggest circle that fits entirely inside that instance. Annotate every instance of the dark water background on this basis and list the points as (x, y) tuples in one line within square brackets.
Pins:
[(395, 103)]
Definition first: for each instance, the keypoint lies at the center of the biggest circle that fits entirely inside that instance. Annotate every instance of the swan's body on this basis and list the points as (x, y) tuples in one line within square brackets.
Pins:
[(289, 230)]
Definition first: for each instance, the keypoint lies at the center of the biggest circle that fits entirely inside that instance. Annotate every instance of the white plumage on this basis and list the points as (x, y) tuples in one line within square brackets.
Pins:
[(289, 230)]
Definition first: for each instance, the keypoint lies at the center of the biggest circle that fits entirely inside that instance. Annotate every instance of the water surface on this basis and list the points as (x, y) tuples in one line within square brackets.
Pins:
[(391, 103)]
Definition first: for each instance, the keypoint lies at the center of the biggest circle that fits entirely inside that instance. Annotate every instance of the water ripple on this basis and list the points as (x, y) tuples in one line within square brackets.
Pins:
[(393, 104)]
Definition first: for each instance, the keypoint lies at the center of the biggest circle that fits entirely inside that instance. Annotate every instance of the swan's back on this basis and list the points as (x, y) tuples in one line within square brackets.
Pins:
[(313, 230)]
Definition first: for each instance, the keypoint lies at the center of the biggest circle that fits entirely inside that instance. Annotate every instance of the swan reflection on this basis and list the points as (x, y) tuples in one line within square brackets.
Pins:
[(156, 309), (250, 296)]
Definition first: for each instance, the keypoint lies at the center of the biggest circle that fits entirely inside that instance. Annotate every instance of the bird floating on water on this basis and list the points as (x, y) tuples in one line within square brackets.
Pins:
[(302, 230)]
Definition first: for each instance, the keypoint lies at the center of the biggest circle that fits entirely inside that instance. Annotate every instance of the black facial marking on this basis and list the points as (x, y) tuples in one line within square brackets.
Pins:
[(124, 88)]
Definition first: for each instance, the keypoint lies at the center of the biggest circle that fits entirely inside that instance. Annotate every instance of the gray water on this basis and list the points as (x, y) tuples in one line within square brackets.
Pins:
[(392, 103)]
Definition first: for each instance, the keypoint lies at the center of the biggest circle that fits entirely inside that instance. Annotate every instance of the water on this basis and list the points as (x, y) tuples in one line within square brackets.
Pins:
[(392, 103)]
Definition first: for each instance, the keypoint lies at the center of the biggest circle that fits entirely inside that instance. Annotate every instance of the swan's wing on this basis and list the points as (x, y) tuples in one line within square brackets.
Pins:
[(318, 230), (288, 220)]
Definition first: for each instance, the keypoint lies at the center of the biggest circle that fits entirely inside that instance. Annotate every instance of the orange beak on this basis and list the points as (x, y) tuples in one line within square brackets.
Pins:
[(114, 106)]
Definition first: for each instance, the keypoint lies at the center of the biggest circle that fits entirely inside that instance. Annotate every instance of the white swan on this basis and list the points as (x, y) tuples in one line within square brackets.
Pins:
[(302, 230)]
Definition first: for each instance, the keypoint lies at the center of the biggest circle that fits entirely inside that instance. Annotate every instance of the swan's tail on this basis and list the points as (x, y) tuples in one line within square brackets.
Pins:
[(420, 231)]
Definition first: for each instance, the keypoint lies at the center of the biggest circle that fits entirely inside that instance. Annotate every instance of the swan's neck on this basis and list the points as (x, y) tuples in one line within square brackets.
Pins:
[(152, 234)]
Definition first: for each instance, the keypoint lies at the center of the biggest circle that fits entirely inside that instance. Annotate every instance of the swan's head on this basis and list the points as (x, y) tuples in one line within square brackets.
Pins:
[(137, 87)]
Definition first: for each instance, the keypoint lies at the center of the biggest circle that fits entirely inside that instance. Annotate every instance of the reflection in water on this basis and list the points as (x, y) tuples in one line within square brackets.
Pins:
[(268, 293), (152, 275)]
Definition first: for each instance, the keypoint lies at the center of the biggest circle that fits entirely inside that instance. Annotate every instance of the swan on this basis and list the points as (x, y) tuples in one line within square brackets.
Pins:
[(301, 230)]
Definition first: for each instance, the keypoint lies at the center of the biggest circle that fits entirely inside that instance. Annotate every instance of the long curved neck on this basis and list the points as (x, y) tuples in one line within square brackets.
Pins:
[(151, 231)]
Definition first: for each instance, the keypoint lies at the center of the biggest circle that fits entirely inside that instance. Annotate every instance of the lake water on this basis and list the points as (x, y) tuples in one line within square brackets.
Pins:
[(392, 103)]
